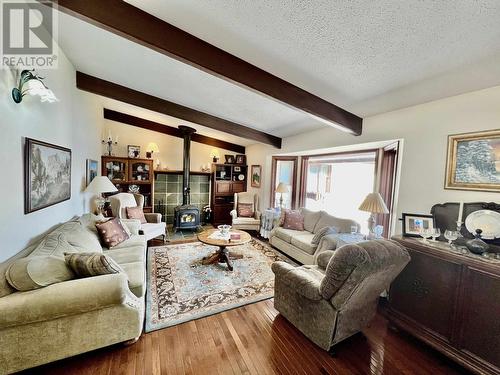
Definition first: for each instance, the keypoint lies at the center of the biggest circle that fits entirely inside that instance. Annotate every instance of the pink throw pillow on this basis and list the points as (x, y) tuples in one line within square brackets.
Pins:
[(136, 213), (245, 209), (293, 220)]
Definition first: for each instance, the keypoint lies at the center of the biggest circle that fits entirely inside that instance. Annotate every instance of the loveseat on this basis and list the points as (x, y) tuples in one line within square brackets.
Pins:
[(298, 244), (75, 316)]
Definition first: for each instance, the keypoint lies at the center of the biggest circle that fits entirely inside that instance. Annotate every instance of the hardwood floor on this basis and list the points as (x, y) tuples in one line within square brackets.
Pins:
[(254, 339)]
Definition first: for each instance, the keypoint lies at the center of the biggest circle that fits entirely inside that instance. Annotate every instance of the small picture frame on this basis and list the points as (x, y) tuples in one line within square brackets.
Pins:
[(255, 174), (229, 159), (133, 152), (237, 169), (241, 159), (413, 223), (91, 171)]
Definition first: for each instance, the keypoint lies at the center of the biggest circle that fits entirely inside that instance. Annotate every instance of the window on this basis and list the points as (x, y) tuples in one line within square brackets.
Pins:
[(284, 171), (338, 183)]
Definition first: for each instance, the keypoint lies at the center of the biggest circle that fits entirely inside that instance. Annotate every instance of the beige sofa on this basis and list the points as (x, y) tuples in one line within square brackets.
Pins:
[(76, 316), (297, 244)]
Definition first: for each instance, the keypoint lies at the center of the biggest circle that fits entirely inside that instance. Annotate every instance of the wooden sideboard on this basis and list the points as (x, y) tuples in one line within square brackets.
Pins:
[(452, 302)]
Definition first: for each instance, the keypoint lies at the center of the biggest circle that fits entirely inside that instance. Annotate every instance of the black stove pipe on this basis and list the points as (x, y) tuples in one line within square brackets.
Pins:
[(186, 163)]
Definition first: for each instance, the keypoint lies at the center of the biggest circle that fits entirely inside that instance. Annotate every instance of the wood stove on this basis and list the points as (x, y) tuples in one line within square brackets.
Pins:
[(186, 216)]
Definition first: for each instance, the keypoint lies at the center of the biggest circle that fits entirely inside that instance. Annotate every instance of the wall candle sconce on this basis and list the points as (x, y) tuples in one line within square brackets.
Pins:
[(32, 84), (109, 141)]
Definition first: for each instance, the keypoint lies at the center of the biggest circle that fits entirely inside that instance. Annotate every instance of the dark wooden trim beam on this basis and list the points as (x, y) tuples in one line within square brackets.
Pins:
[(140, 27), (124, 118), (124, 94)]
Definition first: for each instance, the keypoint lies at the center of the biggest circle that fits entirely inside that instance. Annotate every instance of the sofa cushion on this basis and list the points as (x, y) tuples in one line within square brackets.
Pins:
[(112, 232), (310, 218), (91, 264), (129, 254), (136, 272), (134, 241), (303, 242), (246, 220), (287, 234), (293, 220), (89, 220), (54, 244), (35, 272), (342, 225)]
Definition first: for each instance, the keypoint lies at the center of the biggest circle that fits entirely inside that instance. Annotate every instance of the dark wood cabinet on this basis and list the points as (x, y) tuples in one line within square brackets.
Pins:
[(227, 180), (450, 301)]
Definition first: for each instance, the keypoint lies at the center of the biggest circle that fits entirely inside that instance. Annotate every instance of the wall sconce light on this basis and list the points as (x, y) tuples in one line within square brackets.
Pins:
[(32, 84), (214, 154), (151, 149)]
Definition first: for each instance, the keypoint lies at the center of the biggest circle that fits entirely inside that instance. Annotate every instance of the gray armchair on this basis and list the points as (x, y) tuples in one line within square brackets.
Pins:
[(337, 298), (154, 226)]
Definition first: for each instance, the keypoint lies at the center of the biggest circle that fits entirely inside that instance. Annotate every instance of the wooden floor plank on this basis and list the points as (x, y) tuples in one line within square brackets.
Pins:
[(255, 339)]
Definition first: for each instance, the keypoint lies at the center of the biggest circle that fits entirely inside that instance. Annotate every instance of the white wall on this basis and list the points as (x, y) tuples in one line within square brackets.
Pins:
[(73, 122), (171, 148), (424, 129)]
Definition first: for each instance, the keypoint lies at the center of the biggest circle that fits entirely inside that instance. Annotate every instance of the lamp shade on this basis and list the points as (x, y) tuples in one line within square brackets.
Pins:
[(152, 147), (101, 184), (282, 188), (214, 153), (374, 203)]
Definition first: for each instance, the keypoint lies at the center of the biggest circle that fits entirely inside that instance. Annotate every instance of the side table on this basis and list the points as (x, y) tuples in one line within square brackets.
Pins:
[(268, 221)]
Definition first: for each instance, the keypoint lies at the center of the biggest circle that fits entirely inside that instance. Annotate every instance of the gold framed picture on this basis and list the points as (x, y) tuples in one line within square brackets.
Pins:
[(473, 161)]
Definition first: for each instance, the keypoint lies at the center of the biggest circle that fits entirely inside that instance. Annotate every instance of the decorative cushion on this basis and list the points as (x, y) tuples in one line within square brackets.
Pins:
[(37, 271), (112, 232), (323, 232), (310, 218), (245, 209), (293, 220), (53, 244), (136, 213), (91, 264)]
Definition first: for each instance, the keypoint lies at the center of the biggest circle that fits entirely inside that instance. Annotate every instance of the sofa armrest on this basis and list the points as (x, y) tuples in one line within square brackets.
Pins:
[(133, 225), (234, 214), (153, 217), (67, 298), (298, 280)]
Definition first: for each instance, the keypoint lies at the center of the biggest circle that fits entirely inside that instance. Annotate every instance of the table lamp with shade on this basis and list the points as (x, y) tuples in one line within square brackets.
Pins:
[(100, 185), (374, 204), (151, 149), (282, 188)]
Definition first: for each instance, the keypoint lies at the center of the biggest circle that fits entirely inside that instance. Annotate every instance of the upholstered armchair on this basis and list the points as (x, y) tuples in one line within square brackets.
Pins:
[(250, 201), (338, 297), (154, 226)]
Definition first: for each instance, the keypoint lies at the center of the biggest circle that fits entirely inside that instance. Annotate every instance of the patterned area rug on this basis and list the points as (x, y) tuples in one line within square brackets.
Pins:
[(181, 289)]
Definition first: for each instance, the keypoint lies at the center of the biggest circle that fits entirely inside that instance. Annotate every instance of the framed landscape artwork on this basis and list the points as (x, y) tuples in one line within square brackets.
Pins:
[(47, 175), (256, 172), (474, 161), (91, 171)]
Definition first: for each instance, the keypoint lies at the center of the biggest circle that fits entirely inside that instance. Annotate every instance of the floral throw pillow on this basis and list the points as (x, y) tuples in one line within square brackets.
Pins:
[(245, 209), (112, 232), (136, 213), (293, 220)]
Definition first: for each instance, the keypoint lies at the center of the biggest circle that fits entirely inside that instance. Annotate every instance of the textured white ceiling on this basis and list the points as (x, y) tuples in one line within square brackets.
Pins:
[(105, 55), (369, 56)]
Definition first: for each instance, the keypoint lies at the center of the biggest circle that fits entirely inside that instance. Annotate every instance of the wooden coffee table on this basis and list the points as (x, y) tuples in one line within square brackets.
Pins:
[(222, 255)]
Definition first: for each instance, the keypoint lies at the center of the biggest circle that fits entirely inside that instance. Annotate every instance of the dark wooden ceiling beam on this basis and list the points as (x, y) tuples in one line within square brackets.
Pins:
[(124, 94), (138, 26), (139, 122)]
